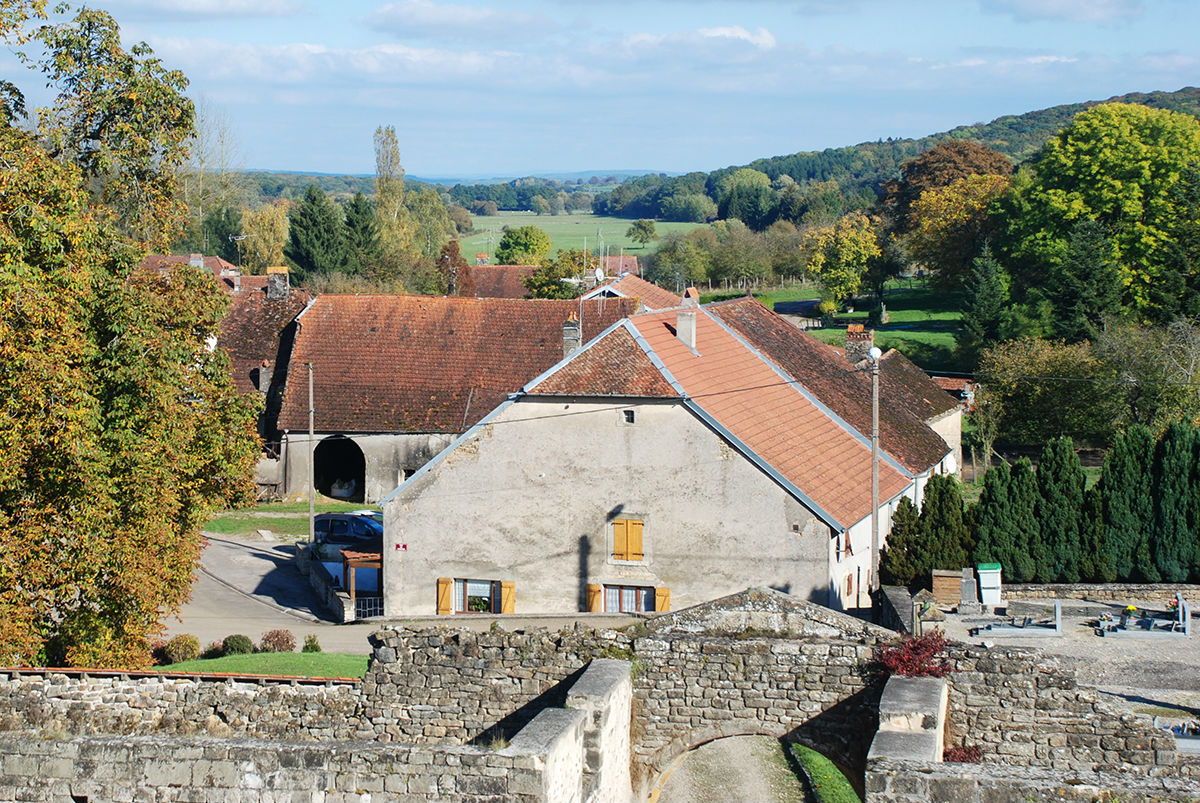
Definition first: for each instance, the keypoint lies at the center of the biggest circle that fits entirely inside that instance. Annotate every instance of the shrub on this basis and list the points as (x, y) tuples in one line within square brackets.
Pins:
[(184, 647), (158, 650), (238, 645), (311, 644), (915, 657), (963, 754), (277, 641), (213, 650)]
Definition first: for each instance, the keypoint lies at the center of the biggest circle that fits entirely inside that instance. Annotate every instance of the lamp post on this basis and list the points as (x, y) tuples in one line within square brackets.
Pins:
[(873, 355)]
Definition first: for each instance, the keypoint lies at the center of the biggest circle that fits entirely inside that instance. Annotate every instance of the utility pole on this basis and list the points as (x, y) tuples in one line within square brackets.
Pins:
[(874, 354), (312, 464)]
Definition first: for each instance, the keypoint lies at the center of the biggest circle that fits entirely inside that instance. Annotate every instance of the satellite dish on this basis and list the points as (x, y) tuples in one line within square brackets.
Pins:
[(599, 275)]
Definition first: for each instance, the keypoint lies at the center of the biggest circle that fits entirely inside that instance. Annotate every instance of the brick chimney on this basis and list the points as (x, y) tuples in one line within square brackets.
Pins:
[(859, 341), (278, 283), (572, 335)]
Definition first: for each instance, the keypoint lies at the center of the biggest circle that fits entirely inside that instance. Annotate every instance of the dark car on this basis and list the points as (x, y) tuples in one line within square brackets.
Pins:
[(337, 531)]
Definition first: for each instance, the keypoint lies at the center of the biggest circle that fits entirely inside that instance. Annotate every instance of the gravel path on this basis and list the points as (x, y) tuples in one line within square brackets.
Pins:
[(740, 768)]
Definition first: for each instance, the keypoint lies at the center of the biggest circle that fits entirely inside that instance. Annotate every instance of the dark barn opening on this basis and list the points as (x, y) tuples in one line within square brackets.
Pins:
[(340, 469)]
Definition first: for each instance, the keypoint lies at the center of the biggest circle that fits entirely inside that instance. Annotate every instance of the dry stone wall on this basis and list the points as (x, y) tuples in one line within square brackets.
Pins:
[(1108, 592)]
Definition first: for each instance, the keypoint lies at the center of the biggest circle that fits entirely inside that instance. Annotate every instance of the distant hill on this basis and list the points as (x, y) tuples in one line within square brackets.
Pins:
[(867, 165)]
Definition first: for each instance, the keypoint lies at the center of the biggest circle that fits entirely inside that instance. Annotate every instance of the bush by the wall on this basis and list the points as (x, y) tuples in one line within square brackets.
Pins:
[(311, 644), (277, 641), (915, 657), (214, 650), (238, 645), (184, 647)]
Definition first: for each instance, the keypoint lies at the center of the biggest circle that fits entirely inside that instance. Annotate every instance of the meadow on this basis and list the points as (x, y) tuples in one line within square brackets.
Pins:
[(566, 232)]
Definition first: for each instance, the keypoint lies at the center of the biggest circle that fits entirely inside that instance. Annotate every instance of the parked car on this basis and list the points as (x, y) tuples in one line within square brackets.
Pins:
[(334, 532)]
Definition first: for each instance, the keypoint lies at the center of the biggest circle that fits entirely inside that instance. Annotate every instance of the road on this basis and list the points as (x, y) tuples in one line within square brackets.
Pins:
[(740, 768)]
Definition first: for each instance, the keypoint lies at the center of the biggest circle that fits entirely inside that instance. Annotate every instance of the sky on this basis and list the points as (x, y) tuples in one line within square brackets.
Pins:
[(488, 88)]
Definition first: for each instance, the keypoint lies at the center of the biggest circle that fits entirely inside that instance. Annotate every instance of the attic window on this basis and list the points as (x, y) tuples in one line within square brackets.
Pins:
[(628, 416)]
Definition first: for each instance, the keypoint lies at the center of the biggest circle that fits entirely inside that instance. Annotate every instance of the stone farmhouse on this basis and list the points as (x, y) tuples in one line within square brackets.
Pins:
[(679, 456), (396, 378)]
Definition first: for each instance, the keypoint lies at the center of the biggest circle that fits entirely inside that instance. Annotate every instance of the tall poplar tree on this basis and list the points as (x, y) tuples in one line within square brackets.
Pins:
[(1060, 512), (1173, 545), (1127, 486)]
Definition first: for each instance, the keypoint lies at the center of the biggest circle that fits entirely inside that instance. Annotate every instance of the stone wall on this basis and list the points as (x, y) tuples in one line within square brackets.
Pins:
[(1106, 592), (1022, 708)]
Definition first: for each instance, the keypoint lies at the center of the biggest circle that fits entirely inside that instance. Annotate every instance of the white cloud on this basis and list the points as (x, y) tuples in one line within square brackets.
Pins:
[(426, 19), (1066, 10), (212, 8), (761, 38)]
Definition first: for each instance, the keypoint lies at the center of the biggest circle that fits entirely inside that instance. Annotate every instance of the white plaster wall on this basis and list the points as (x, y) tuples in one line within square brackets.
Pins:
[(949, 427), (387, 457), (529, 499)]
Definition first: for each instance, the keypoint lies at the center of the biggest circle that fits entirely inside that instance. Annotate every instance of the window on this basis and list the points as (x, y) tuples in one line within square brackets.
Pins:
[(474, 596), (629, 416), (627, 539), (628, 599)]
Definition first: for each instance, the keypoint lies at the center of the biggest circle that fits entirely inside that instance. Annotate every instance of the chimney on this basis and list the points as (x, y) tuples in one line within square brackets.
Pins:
[(278, 283), (481, 260), (691, 297), (265, 372), (572, 335), (685, 320), (858, 342), (196, 261)]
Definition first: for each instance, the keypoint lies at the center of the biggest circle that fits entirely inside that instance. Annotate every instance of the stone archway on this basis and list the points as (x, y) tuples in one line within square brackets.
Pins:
[(340, 468)]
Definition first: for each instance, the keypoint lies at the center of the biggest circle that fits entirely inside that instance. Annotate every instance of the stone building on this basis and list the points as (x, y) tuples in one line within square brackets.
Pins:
[(678, 457), (396, 378)]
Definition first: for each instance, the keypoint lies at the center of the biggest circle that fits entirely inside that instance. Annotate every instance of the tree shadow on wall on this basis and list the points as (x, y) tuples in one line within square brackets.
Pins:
[(504, 730)]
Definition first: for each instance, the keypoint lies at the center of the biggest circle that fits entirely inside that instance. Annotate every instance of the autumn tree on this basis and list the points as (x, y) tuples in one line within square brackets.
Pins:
[(739, 255), (839, 255), (523, 245), (941, 166), (120, 428), (396, 227), (682, 260), (210, 180), (455, 271), (562, 276), (266, 230), (951, 225)]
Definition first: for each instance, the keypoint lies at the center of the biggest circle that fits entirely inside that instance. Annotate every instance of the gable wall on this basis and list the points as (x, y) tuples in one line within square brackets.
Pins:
[(530, 499)]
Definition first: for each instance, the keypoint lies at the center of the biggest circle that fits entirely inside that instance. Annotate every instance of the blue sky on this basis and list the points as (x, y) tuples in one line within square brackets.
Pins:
[(513, 88)]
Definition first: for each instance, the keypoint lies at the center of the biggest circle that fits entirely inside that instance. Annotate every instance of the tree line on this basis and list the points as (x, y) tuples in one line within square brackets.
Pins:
[(1139, 523)]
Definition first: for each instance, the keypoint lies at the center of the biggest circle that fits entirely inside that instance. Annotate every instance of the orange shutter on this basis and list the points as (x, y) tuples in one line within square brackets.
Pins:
[(595, 598), (635, 541), (620, 540), (508, 597), (662, 599), (445, 596)]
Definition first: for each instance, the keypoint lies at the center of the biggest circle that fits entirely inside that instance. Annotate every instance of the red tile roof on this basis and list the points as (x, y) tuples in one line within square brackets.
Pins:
[(424, 364), (615, 266), (251, 329), (744, 393), (824, 371), (913, 389), (214, 265), (651, 295), (501, 281)]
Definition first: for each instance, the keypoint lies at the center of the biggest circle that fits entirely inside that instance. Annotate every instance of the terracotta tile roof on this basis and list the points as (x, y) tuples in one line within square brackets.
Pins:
[(911, 388), (744, 393), (214, 265), (651, 295), (824, 371), (251, 329), (952, 384), (615, 266), (424, 364), (615, 365), (501, 281)]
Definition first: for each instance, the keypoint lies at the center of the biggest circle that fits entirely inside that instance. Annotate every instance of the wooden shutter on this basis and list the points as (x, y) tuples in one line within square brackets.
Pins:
[(595, 598), (508, 597), (620, 539), (445, 596), (634, 540), (662, 599)]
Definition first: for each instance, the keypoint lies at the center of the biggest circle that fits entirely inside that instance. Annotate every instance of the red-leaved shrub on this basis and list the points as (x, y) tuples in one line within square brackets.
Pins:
[(963, 754), (277, 641), (915, 657)]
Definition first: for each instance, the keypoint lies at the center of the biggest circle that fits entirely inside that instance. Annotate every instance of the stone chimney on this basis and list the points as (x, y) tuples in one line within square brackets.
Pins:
[(265, 372), (278, 283), (859, 341), (572, 335), (685, 320), (196, 261)]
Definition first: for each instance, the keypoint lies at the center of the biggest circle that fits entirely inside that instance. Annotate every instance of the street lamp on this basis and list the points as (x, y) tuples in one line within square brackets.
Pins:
[(873, 355)]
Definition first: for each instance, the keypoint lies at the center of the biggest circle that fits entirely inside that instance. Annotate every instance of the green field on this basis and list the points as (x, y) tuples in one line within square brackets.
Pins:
[(298, 664), (283, 519), (566, 232)]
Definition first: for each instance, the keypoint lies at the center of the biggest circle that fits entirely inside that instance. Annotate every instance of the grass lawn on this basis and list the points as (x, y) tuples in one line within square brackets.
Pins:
[(830, 785), (288, 519), (300, 664), (566, 232)]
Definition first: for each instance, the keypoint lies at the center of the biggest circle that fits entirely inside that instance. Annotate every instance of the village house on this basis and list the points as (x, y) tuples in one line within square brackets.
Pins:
[(650, 296), (679, 456), (396, 378)]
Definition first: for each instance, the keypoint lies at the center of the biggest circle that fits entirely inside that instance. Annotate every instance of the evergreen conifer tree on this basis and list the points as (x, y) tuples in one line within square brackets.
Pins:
[(316, 235), (1060, 512), (994, 538), (1173, 546), (985, 302), (1022, 501), (946, 536), (899, 562), (1126, 491), (362, 235), (1086, 286), (1094, 565)]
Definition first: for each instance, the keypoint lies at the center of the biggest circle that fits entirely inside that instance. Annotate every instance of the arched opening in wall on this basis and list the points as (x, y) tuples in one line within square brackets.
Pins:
[(752, 767), (339, 468)]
